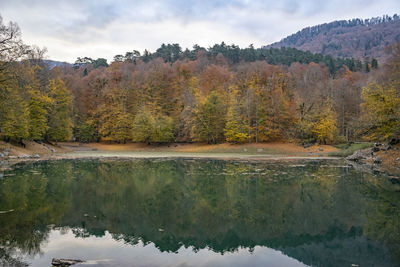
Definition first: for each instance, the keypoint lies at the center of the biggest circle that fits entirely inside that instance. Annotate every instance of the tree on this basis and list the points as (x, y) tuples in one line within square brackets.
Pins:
[(116, 122), (87, 131), (163, 129), (374, 63), (60, 121), (132, 56), (381, 111), (209, 119), (39, 105), (11, 46), (325, 128), (100, 62), (119, 58), (15, 116), (143, 127), (235, 130), (366, 65), (123, 128)]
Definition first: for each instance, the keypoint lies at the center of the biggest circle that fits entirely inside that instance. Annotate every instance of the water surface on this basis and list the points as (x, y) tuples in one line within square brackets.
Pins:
[(160, 212)]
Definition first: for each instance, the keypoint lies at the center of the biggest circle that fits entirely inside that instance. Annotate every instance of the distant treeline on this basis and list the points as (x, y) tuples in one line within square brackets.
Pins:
[(310, 32), (233, 54)]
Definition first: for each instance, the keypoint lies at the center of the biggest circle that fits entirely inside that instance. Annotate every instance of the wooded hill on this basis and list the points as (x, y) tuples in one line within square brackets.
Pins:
[(347, 38), (219, 94)]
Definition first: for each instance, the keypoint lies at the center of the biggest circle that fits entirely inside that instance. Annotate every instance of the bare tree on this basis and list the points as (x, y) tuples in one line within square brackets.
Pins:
[(12, 47)]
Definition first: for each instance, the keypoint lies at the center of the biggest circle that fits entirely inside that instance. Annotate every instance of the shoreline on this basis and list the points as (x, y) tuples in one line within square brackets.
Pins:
[(267, 152), (103, 155)]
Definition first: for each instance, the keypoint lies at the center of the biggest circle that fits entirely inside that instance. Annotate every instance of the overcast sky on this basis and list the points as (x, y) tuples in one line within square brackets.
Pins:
[(104, 28)]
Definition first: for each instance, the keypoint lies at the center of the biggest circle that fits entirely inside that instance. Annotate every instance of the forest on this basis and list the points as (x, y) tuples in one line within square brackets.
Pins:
[(210, 95), (310, 32), (356, 38)]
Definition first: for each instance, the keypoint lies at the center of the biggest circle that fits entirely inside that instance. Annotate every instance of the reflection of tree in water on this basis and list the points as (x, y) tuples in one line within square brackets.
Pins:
[(305, 211)]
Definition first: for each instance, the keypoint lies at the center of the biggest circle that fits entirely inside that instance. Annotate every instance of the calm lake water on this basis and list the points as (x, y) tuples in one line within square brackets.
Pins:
[(180, 212)]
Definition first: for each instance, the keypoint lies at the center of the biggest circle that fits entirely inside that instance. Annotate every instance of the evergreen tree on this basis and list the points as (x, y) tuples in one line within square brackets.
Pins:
[(374, 63)]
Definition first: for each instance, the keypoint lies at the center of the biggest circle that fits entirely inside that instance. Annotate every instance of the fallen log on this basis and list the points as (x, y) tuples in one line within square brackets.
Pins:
[(64, 262)]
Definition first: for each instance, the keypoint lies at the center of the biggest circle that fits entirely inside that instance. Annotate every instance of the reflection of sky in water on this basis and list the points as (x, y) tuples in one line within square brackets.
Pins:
[(105, 251)]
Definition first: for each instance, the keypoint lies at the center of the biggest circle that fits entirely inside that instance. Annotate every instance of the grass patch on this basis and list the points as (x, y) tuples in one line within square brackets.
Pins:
[(349, 149)]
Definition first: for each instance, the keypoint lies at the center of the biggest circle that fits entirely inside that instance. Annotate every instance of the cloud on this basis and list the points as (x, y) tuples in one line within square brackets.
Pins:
[(104, 28)]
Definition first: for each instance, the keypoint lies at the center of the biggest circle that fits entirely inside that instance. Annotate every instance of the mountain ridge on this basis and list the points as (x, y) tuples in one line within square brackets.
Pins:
[(356, 38)]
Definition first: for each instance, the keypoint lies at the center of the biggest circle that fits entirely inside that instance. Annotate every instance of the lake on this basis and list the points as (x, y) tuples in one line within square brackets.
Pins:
[(203, 212)]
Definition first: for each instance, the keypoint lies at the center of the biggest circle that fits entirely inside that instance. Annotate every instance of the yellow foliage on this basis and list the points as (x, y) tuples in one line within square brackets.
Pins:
[(381, 111), (325, 128)]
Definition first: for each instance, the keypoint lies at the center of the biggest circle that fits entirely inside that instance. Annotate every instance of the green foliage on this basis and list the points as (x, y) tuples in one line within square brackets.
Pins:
[(148, 128), (234, 54), (163, 130), (123, 128), (39, 106), (374, 63), (100, 62), (14, 113), (170, 52), (60, 122), (87, 131), (381, 111), (209, 120), (15, 117), (143, 127)]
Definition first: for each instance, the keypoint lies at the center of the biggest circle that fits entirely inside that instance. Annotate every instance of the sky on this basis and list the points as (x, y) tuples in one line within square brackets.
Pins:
[(104, 28)]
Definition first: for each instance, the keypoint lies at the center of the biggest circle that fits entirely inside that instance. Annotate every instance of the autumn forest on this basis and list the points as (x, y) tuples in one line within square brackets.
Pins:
[(210, 95)]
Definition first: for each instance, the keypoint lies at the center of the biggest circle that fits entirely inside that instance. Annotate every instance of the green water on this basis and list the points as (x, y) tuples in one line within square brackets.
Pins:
[(159, 212)]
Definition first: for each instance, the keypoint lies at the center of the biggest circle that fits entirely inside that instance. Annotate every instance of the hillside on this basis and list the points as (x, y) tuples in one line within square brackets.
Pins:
[(347, 38), (53, 63)]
